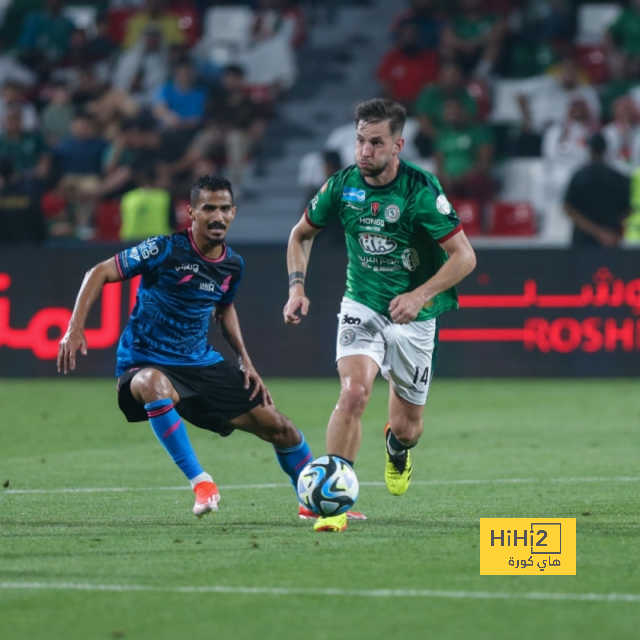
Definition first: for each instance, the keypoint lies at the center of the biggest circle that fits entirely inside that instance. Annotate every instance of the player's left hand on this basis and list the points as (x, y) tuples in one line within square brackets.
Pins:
[(405, 307), (252, 379)]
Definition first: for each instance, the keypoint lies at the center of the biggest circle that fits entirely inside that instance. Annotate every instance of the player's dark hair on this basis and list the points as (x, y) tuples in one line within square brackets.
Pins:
[(379, 110), (210, 183)]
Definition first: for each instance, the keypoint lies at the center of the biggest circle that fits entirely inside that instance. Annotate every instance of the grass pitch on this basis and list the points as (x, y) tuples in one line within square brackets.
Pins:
[(135, 563)]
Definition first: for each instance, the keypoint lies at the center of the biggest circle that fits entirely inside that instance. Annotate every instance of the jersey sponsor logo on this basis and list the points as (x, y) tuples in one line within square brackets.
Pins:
[(354, 195), (375, 208), (189, 267), (347, 337), (372, 221), (410, 259), (134, 256), (314, 202), (376, 244), (208, 286), (443, 205), (347, 319), (354, 207), (147, 249), (392, 213)]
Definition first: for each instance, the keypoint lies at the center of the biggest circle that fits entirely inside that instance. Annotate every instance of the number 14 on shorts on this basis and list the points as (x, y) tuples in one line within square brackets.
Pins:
[(421, 375)]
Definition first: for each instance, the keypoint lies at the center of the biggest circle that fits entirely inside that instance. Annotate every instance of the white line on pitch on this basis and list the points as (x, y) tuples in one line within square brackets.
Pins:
[(283, 485), (365, 593)]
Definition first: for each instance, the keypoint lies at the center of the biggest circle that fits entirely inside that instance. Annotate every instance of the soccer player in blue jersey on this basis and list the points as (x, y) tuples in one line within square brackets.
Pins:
[(167, 371)]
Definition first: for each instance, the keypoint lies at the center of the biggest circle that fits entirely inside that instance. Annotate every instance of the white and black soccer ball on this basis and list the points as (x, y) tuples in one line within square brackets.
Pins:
[(328, 486)]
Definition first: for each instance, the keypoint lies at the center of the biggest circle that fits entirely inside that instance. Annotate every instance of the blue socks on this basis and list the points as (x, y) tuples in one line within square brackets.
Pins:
[(293, 459), (172, 434)]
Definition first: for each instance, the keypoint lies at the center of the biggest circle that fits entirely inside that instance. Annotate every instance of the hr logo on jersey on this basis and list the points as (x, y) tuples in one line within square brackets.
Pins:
[(375, 208), (354, 195), (347, 319), (392, 213), (376, 244), (410, 259)]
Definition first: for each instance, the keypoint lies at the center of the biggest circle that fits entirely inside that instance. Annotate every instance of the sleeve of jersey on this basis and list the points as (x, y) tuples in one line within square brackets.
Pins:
[(438, 217), (229, 295), (143, 258), (322, 208)]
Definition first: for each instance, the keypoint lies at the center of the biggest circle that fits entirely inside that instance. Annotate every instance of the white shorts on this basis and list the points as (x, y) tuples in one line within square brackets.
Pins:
[(404, 352)]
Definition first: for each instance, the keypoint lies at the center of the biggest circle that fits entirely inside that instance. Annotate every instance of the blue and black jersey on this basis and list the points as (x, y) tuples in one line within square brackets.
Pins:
[(178, 291)]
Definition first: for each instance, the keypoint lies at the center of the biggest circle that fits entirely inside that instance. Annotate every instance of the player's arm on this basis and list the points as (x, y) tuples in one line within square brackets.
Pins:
[(462, 261), (298, 252), (90, 289), (227, 320)]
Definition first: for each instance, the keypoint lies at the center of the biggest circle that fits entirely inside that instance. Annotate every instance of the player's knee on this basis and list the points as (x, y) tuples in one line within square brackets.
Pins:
[(283, 432), (150, 385), (354, 397)]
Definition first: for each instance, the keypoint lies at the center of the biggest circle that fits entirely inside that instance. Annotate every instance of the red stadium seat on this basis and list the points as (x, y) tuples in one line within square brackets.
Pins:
[(469, 213), (512, 219), (188, 21), (52, 205), (118, 19), (592, 59), (182, 219), (108, 220)]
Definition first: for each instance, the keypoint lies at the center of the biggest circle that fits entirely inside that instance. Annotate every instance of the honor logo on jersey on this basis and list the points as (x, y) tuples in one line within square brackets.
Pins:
[(375, 208), (376, 244), (352, 194)]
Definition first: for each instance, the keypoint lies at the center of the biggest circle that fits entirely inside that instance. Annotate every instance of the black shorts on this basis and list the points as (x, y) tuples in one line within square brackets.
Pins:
[(210, 396)]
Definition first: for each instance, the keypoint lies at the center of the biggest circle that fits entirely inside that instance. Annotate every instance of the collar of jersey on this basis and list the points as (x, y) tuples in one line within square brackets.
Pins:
[(379, 187), (194, 246)]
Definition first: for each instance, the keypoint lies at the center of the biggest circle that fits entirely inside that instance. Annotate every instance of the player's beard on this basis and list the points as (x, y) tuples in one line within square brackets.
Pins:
[(373, 172)]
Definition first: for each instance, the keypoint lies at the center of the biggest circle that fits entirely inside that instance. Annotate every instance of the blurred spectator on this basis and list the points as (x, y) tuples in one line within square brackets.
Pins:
[(406, 68), (234, 130), (622, 136), (78, 160), (464, 153), (100, 45), (625, 78), (179, 103), (58, 114), (156, 14), (12, 99), (597, 200), (431, 102), (147, 210), (624, 34), (138, 144), (21, 220), (564, 148), (26, 149), (473, 38), (423, 14), (547, 102), (12, 71), (279, 16), (45, 35), (143, 68)]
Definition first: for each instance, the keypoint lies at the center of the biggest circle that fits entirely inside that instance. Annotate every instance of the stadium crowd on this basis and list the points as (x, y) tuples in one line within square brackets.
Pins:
[(105, 121), (452, 62)]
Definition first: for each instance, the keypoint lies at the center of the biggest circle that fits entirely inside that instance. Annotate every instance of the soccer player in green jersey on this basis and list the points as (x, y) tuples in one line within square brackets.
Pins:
[(407, 251)]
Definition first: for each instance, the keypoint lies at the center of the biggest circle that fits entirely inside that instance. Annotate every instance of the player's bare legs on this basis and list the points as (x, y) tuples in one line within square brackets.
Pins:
[(270, 425), (153, 389), (405, 419), (344, 432)]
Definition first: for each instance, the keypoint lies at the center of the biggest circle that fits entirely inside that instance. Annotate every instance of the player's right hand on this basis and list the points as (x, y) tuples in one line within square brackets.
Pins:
[(73, 340), (296, 302)]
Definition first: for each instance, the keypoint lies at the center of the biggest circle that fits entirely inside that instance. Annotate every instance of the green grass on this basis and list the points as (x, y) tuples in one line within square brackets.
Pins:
[(69, 434)]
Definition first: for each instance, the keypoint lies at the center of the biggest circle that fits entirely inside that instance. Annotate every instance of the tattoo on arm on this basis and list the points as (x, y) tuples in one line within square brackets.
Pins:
[(296, 277)]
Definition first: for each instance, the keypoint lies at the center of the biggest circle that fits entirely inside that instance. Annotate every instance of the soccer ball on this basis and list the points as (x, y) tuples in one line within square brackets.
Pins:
[(328, 486)]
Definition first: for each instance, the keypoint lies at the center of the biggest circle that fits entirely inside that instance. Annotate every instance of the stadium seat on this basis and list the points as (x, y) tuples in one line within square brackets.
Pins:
[(593, 60), (512, 219), (188, 21), (118, 19), (52, 205), (229, 26), (108, 220), (523, 179), (182, 219), (594, 20), (469, 213)]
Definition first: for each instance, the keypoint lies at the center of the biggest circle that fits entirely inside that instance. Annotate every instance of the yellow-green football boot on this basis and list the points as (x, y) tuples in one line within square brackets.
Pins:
[(331, 523), (398, 470)]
